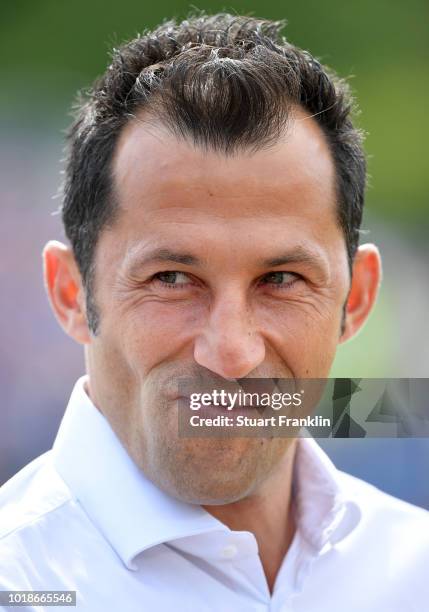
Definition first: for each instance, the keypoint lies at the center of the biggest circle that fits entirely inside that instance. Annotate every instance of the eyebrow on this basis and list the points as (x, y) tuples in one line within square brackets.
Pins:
[(297, 255), (161, 255)]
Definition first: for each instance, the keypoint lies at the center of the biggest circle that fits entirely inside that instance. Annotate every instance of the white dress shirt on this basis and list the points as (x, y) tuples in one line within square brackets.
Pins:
[(83, 517)]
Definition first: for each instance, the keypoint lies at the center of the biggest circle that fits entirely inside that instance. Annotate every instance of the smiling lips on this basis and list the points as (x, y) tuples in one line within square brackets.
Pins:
[(222, 406)]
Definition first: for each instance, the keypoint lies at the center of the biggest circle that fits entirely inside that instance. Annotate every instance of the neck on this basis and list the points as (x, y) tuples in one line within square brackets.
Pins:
[(268, 514)]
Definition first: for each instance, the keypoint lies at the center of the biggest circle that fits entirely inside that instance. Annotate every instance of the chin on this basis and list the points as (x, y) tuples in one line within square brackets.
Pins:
[(211, 492), (211, 478)]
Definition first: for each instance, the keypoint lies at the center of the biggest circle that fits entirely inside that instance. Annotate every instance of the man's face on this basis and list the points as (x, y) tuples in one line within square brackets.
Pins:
[(216, 268)]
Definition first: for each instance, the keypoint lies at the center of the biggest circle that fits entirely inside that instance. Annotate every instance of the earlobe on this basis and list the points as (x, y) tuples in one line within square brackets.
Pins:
[(363, 292), (65, 292)]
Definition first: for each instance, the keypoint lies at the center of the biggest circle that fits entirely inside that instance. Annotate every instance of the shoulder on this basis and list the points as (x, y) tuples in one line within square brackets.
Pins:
[(388, 524), (39, 520), (375, 501), (33, 493)]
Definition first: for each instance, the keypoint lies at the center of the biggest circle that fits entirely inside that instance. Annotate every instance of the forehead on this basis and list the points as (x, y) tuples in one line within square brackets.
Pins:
[(162, 182), (148, 157)]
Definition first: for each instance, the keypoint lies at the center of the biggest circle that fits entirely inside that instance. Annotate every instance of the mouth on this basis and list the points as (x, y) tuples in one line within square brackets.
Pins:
[(218, 407), (207, 404)]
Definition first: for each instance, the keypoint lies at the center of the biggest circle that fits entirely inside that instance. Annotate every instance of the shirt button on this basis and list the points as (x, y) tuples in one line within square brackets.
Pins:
[(229, 552)]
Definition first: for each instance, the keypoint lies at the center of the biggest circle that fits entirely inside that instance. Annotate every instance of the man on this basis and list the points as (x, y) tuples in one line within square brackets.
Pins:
[(213, 197)]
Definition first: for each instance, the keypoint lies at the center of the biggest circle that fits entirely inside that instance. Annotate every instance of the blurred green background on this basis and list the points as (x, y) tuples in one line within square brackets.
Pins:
[(49, 49)]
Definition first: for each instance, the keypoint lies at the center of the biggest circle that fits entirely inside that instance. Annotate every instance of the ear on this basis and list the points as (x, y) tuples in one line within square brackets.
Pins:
[(65, 290), (363, 292)]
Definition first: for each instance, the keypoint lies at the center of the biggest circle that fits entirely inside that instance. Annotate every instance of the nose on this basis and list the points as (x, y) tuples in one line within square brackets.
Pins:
[(229, 344)]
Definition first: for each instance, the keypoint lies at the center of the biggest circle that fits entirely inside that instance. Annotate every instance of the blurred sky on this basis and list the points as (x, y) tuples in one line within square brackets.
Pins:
[(50, 49)]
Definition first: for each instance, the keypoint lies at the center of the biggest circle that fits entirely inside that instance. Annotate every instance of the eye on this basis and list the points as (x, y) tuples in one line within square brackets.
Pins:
[(172, 279), (281, 280)]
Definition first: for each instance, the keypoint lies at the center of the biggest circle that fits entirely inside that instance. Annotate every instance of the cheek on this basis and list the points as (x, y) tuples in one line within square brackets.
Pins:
[(157, 330), (304, 335)]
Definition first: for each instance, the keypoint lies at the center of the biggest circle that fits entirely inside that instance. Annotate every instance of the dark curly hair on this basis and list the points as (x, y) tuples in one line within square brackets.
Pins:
[(227, 82)]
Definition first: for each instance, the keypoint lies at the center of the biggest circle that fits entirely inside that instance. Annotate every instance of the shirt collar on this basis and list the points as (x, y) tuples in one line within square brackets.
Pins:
[(134, 515), (326, 510)]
